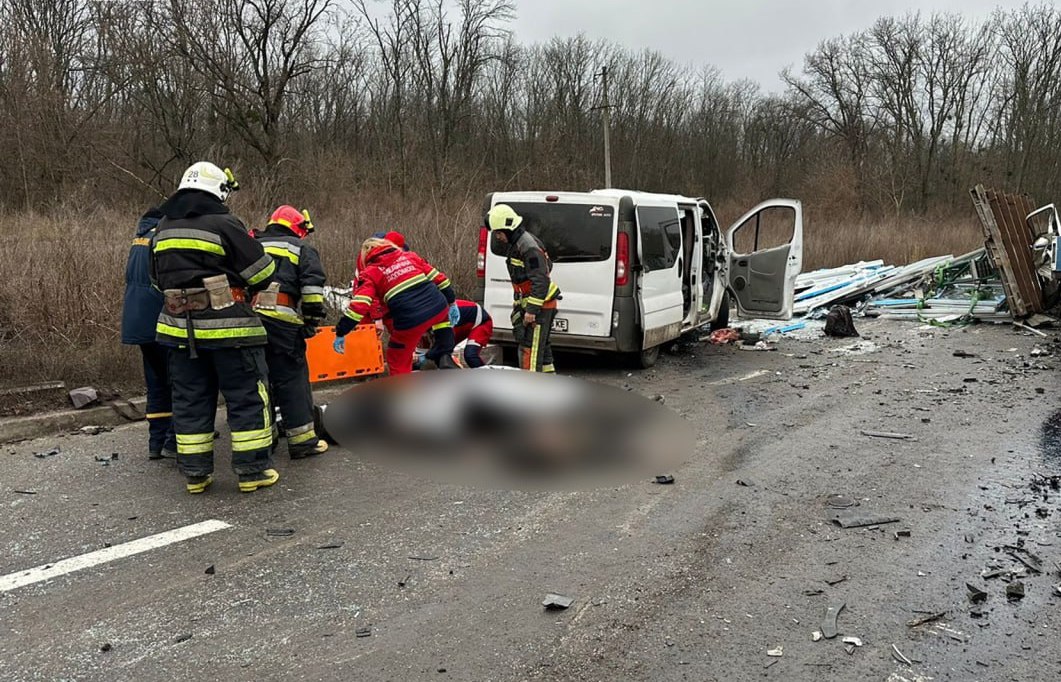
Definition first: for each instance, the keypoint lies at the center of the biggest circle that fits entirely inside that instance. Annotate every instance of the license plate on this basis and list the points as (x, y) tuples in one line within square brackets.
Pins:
[(559, 324)]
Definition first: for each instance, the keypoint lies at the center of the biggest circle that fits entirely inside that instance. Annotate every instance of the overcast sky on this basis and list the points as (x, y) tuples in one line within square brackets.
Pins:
[(751, 39)]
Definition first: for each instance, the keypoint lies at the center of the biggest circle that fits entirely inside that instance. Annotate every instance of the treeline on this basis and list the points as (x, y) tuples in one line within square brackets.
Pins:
[(106, 102)]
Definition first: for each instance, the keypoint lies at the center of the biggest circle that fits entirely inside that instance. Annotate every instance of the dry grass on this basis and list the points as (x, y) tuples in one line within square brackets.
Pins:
[(61, 277)]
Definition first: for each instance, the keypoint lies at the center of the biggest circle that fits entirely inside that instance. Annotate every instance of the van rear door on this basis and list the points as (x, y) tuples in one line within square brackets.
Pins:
[(578, 232), (764, 256), (660, 267)]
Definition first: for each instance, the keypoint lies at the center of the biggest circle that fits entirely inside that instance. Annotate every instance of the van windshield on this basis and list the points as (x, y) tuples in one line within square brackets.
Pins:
[(571, 233)]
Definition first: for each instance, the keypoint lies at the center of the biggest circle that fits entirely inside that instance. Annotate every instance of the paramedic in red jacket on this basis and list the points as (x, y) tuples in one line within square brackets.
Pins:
[(474, 327), (418, 298)]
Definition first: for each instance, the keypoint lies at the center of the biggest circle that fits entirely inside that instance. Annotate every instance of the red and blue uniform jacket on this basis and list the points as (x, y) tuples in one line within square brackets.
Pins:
[(411, 289), (475, 325)]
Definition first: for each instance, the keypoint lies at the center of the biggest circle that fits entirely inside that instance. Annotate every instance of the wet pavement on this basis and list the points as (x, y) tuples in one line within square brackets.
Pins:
[(347, 569)]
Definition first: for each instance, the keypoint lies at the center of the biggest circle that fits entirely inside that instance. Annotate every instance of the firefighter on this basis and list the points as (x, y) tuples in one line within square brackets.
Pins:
[(418, 298), (291, 309), (140, 311), (208, 267), (474, 327), (534, 293)]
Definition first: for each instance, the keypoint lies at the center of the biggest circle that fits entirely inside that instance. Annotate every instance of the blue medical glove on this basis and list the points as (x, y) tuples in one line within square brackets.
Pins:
[(339, 345), (454, 314)]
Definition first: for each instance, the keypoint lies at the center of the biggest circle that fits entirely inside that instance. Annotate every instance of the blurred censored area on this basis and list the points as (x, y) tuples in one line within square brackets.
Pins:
[(509, 429)]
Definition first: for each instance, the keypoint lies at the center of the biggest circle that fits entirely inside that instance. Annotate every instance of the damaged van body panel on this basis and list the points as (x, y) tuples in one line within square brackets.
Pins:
[(637, 269)]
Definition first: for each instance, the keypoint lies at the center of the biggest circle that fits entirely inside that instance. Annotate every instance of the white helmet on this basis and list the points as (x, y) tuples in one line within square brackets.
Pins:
[(207, 177)]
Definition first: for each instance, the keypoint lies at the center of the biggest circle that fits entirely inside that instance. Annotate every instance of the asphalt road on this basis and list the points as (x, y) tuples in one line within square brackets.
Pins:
[(698, 580)]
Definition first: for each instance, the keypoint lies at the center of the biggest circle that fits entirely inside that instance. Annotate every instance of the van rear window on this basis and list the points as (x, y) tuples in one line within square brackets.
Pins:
[(571, 233)]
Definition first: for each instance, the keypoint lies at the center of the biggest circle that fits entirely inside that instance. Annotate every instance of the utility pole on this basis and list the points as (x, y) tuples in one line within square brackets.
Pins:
[(606, 116)]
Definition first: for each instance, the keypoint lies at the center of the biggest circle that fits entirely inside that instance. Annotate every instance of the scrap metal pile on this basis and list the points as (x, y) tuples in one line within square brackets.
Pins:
[(1013, 277)]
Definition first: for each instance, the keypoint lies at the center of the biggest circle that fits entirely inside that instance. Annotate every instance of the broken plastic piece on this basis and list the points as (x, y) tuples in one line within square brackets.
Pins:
[(665, 479), (776, 653), (852, 640), (1015, 590), (815, 636), (976, 595), (900, 656), (363, 632), (888, 434), (857, 520), (829, 627), (557, 602)]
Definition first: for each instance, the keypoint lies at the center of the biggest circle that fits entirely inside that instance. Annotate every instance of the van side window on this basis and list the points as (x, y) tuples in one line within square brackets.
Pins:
[(660, 237)]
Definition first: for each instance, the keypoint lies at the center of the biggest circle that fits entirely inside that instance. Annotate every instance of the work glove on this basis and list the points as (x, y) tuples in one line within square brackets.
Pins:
[(454, 314), (339, 345), (309, 330), (313, 311)]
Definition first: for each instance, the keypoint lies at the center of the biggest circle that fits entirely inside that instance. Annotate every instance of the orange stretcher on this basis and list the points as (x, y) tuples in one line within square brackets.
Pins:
[(363, 357)]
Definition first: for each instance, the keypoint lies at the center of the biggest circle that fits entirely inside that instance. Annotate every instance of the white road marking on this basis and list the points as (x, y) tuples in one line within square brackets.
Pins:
[(13, 581)]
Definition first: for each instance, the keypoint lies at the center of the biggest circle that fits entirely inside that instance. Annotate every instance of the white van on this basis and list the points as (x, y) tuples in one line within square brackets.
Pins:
[(638, 270)]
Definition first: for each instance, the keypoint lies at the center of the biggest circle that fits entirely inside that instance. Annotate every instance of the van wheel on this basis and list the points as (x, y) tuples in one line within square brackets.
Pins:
[(648, 357), (722, 320)]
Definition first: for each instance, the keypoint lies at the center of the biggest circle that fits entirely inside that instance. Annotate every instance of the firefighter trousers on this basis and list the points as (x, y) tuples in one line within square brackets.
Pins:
[(289, 382), (242, 376), (535, 351), (159, 398)]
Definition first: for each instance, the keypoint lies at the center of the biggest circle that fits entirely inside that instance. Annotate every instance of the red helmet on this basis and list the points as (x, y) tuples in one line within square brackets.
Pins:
[(396, 238), (291, 218)]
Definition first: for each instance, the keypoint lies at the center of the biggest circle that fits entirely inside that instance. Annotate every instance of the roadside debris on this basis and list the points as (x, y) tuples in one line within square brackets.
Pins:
[(93, 430), (184, 637), (334, 545), (363, 632), (816, 636), (840, 502), (839, 323), (926, 619), (855, 641), (721, 337), (900, 656), (556, 602), (279, 532), (1033, 562), (47, 453), (905, 533), (105, 647), (24, 492), (976, 595), (665, 479), (887, 434), (858, 520), (829, 625), (83, 397), (776, 653), (210, 570), (1015, 590)]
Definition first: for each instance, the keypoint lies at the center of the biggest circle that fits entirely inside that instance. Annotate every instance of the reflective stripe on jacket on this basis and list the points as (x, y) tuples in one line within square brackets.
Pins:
[(298, 271), (412, 290), (199, 238), (529, 269)]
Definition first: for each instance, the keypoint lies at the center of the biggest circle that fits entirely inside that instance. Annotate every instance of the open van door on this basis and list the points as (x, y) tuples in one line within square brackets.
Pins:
[(660, 268), (764, 256)]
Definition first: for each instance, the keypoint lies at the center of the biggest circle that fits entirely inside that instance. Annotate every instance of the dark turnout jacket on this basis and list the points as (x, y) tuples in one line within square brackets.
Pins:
[(142, 302), (198, 238), (529, 269), (299, 273)]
